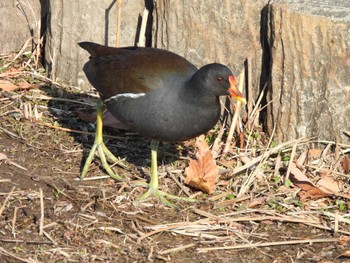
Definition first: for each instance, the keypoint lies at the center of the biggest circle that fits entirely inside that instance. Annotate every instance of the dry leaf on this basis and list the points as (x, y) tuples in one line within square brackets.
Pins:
[(3, 157), (108, 120), (344, 240), (202, 173), (314, 153), (257, 202), (346, 254), (346, 164), (301, 180), (26, 85), (328, 185), (7, 86)]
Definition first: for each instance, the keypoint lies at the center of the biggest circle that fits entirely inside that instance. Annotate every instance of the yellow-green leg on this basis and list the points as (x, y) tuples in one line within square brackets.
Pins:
[(100, 147), (153, 186)]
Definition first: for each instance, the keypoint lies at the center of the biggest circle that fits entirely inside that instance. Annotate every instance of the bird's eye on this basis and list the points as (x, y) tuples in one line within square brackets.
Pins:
[(219, 79)]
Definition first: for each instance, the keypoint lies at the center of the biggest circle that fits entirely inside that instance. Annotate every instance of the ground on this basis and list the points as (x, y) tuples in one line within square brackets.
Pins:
[(49, 215)]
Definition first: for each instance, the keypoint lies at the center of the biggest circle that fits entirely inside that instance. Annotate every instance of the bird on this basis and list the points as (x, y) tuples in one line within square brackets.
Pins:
[(157, 93)]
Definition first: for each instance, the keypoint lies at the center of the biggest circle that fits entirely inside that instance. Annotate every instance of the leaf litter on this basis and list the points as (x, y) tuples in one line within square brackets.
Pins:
[(48, 215)]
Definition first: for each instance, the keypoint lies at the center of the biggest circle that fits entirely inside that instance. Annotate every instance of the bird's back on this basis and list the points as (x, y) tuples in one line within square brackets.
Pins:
[(115, 71)]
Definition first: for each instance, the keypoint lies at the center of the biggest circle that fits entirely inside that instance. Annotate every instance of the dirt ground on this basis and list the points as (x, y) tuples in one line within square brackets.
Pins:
[(49, 215)]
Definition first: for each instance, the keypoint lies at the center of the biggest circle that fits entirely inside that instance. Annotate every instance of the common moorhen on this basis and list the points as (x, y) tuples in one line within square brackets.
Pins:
[(157, 93)]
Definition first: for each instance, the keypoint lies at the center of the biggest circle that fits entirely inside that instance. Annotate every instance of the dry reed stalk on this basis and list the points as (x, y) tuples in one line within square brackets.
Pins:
[(119, 14), (235, 116), (6, 200), (269, 244), (42, 215), (176, 249), (142, 38)]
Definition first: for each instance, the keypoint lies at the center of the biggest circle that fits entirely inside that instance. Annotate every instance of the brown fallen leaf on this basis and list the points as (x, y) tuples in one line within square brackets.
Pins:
[(7, 86), (26, 85), (301, 180), (346, 164), (108, 120), (202, 173), (344, 240), (3, 157), (329, 185), (314, 153)]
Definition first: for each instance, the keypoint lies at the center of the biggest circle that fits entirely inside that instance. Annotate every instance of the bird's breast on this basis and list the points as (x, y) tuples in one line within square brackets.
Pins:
[(165, 117)]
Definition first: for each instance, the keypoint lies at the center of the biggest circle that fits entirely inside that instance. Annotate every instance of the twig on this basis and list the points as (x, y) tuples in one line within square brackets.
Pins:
[(41, 223), (266, 154), (177, 182), (176, 249), (6, 200), (28, 242), (9, 133), (15, 219), (249, 86), (7, 253), (294, 149), (142, 40), (216, 145), (119, 14), (254, 114), (49, 238), (230, 202), (75, 131), (268, 244), (20, 52), (235, 116)]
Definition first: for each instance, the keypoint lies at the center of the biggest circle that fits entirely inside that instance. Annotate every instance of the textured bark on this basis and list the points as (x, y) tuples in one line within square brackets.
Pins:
[(223, 31), (73, 21), (310, 65), (19, 21)]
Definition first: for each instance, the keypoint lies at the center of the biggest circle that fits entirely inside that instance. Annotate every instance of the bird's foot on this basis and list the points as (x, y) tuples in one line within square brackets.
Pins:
[(162, 196), (103, 151)]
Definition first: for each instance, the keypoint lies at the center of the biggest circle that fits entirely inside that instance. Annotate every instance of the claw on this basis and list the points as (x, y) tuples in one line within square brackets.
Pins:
[(101, 148), (153, 185)]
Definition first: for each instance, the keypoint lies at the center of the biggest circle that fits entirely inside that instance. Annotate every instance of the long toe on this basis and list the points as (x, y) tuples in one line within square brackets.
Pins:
[(103, 153)]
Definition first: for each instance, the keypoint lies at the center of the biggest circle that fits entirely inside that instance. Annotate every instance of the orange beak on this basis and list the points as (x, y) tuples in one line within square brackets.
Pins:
[(234, 92)]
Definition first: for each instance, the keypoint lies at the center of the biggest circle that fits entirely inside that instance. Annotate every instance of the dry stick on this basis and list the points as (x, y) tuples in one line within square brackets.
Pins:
[(204, 213), (15, 219), (75, 131), (232, 201), (336, 223), (142, 40), (249, 86), (177, 182), (29, 242), (268, 244), (267, 154), (44, 97), (41, 224), (119, 14), (235, 116), (250, 179), (257, 109), (50, 238), (169, 227), (176, 249), (20, 52), (216, 145), (6, 200), (294, 149), (324, 170), (221, 221), (9, 254)]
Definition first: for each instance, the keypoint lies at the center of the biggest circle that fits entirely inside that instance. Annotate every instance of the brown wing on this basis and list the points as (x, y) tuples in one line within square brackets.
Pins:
[(134, 70)]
